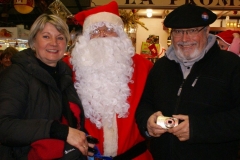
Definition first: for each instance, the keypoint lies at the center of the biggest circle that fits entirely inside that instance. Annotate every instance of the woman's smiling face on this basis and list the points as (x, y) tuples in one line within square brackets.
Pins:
[(50, 45)]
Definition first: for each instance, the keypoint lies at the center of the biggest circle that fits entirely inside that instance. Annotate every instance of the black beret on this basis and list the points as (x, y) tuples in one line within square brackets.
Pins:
[(189, 16)]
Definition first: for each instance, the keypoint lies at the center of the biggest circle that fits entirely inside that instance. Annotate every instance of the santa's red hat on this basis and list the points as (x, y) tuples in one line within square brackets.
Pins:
[(106, 13), (227, 36)]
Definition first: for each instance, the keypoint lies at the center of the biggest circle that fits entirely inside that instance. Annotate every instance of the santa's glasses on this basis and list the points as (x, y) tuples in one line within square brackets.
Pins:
[(102, 32)]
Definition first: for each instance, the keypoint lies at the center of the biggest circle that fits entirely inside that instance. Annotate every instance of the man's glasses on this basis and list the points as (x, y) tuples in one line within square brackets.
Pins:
[(105, 31), (189, 32)]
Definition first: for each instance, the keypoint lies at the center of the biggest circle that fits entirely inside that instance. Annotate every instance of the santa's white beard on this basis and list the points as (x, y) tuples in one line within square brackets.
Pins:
[(103, 68)]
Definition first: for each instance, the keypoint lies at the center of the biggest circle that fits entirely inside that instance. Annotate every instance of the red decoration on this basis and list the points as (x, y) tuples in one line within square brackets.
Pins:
[(153, 50), (235, 12)]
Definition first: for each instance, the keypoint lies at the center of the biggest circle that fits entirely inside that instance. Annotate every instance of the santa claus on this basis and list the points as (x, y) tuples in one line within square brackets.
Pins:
[(110, 79)]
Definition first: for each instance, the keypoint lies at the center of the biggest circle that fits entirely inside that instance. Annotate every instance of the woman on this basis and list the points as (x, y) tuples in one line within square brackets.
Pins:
[(41, 116), (5, 57)]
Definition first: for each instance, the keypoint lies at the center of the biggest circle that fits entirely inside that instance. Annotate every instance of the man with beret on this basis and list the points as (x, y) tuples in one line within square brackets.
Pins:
[(110, 79), (198, 84)]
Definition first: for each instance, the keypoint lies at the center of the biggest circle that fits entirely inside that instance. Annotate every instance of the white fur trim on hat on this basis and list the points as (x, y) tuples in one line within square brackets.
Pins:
[(102, 17), (222, 40)]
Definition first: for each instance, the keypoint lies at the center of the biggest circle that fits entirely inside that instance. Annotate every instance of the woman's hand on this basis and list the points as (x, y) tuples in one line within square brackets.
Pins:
[(78, 139), (91, 146)]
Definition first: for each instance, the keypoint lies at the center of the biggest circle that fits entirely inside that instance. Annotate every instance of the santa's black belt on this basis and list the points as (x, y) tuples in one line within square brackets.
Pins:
[(133, 152)]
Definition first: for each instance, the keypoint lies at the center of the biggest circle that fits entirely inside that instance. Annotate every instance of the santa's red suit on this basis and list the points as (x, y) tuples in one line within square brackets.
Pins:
[(128, 133), (110, 80)]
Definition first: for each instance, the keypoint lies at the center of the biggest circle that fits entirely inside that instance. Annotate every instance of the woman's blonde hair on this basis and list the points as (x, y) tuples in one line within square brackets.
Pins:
[(40, 23)]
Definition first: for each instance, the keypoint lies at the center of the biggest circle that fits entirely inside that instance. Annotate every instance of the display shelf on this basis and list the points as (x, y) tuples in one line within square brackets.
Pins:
[(19, 44), (220, 29)]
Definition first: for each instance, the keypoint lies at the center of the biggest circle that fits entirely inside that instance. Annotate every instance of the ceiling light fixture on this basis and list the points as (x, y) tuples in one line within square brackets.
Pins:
[(149, 13), (24, 7)]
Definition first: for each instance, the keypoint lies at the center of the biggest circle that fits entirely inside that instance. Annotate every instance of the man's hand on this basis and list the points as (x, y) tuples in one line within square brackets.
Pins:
[(152, 127), (182, 130)]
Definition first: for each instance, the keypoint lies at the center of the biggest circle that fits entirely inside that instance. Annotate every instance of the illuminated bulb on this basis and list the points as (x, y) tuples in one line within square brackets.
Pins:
[(149, 14), (149, 10), (227, 21), (227, 18)]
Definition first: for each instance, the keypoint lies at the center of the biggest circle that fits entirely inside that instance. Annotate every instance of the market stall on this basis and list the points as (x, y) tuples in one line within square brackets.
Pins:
[(14, 36)]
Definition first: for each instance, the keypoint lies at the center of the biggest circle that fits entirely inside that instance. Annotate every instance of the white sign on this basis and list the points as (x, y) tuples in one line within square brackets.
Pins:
[(171, 4), (8, 32)]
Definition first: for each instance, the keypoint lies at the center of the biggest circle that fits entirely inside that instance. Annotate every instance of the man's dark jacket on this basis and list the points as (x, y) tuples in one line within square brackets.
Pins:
[(210, 96)]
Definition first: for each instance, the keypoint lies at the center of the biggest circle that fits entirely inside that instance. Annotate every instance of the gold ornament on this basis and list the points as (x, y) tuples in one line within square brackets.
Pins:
[(130, 19), (58, 8)]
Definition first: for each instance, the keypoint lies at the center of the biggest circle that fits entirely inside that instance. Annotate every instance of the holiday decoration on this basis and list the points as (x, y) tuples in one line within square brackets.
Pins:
[(130, 19), (150, 49), (4, 33), (24, 6), (58, 8), (153, 50)]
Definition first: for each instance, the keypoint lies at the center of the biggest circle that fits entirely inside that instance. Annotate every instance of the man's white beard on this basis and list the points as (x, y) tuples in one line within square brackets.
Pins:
[(103, 68), (182, 56)]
